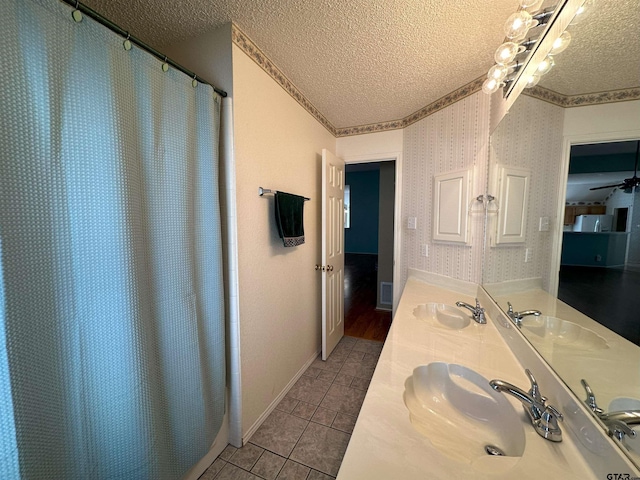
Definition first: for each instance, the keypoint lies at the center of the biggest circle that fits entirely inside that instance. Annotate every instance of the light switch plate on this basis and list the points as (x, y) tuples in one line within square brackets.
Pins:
[(412, 223), (544, 224)]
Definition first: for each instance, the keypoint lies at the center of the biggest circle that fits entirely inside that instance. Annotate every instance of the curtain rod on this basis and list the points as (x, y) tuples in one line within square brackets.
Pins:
[(115, 28)]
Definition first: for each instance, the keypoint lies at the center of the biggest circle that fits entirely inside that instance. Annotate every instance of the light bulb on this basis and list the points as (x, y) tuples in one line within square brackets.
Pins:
[(518, 24), (545, 65), (561, 43), (532, 81), (506, 53), (498, 72), (490, 86)]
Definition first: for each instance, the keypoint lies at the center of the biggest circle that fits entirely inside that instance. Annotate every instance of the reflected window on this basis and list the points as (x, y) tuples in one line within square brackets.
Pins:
[(347, 206)]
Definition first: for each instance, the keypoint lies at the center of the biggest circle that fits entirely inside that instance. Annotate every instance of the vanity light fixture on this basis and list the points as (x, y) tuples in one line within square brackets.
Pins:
[(516, 29)]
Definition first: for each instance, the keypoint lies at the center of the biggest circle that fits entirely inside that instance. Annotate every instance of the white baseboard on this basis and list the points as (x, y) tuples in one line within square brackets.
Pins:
[(276, 401)]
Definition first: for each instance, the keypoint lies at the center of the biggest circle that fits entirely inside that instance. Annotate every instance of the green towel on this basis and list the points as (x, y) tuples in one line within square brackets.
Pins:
[(289, 218)]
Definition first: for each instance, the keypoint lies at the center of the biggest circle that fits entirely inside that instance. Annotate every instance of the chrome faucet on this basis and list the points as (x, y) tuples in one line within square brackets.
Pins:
[(518, 316), (477, 311), (544, 418), (618, 423)]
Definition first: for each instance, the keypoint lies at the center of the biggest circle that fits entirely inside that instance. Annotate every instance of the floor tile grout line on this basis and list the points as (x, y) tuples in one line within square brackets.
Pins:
[(310, 421), (287, 458)]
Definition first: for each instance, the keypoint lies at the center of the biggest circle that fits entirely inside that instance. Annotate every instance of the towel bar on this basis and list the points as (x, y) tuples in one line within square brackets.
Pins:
[(267, 191)]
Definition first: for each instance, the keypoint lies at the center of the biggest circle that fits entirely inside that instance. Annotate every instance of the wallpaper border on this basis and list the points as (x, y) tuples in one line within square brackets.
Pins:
[(598, 98), (242, 41)]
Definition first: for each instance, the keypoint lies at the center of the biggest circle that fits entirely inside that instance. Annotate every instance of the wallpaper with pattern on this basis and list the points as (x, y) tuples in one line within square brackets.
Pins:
[(529, 136), (453, 138)]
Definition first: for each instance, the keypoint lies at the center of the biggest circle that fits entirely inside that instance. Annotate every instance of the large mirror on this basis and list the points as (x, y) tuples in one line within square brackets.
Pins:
[(588, 327)]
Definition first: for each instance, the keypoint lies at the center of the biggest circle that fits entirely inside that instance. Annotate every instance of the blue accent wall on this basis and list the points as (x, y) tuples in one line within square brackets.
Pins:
[(593, 249), (621, 162), (362, 237)]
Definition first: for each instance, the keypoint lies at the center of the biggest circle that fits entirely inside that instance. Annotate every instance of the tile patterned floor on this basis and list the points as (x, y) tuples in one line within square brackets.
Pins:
[(306, 436)]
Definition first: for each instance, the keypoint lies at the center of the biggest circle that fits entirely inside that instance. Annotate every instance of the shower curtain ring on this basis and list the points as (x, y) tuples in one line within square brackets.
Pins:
[(194, 82), (165, 65), (127, 42), (77, 14)]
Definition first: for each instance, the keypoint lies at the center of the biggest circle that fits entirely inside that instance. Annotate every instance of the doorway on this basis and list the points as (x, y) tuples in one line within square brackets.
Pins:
[(599, 271), (369, 249)]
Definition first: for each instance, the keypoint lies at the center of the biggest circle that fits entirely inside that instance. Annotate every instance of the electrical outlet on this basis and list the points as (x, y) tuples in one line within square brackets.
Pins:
[(424, 250), (527, 255), (412, 223)]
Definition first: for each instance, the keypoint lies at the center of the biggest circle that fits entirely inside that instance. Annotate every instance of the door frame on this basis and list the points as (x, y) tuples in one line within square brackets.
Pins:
[(568, 142), (397, 211)]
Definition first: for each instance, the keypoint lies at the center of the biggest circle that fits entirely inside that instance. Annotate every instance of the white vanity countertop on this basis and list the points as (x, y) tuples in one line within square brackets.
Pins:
[(611, 372), (385, 445)]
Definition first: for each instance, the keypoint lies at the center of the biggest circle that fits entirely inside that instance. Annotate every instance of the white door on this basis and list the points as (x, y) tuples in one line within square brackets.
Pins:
[(332, 252)]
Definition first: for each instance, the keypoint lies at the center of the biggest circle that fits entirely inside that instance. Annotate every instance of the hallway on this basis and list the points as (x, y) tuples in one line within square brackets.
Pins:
[(361, 319), (608, 295)]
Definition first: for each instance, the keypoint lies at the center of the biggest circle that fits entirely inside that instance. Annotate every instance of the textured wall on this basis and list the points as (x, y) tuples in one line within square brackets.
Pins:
[(454, 138), (278, 146), (530, 136)]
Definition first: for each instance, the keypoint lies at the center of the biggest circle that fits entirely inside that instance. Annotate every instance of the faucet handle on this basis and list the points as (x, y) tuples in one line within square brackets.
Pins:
[(551, 410), (535, 389), (510, 310), (591, 398), (619, 429)]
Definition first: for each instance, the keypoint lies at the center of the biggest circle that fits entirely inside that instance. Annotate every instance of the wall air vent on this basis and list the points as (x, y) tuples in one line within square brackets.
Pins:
[(386, 293)]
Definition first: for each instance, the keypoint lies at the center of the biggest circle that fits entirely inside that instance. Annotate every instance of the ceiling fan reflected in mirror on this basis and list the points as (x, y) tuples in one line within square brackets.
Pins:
[(628, 184)]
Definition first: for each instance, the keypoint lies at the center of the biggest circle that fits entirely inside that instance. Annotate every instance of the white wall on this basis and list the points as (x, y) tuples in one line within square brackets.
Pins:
[(529, 136), (619, 199), (370, 144), (278, 145), (600, 120), (454, 138)]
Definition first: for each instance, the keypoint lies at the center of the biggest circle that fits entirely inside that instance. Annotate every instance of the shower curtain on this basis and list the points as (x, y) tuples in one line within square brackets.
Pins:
[(111, 299)]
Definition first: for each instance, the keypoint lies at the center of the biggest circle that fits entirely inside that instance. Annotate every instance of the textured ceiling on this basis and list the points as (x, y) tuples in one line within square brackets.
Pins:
[(358, 61), (604, 53), (579, 185)]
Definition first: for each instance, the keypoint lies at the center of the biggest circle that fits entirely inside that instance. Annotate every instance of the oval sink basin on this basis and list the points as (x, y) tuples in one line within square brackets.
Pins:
[(444, 315), (460, 414), (563, 332)]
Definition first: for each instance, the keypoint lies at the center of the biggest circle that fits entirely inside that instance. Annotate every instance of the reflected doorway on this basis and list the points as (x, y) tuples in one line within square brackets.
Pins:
[(600, 262), (369, 244)]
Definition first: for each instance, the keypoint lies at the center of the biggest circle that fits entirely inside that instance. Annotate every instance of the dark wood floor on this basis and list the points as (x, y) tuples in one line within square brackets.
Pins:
[(361, 319), (610, 296)]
